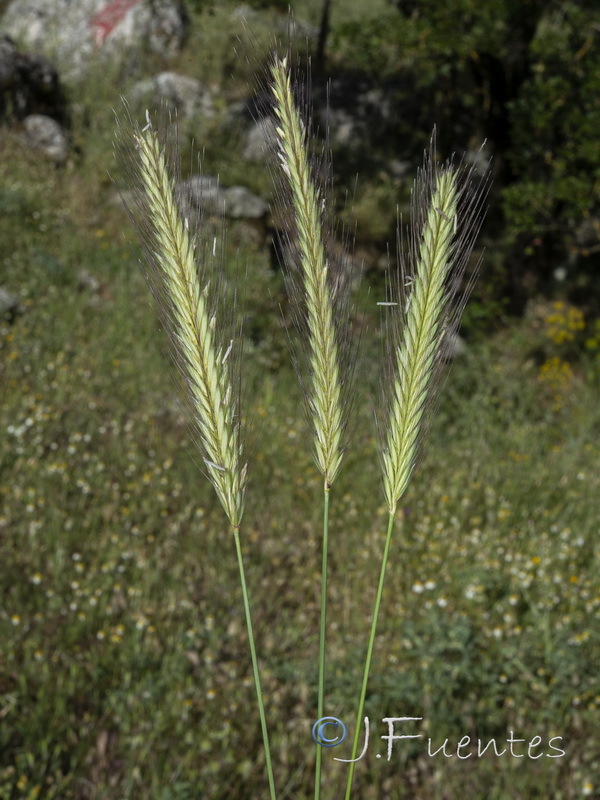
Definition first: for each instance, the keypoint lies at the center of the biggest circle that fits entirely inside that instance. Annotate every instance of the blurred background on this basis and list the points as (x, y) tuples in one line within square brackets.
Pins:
[(124, 664)]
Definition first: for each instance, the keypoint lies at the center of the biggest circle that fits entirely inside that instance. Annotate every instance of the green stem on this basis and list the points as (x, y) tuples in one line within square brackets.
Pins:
[(363, 691), (320, 701), (261, 707)]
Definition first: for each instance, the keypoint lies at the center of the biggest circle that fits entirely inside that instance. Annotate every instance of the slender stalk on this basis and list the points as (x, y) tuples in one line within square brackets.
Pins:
[(255, 669), (365, 681), (323, 633), (415, 368), (183, 288), (438, 256), (322, 329)]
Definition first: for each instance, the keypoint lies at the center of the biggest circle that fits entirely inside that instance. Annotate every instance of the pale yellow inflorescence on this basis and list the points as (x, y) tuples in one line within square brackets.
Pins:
[(206, 367), (325, 391), (419, 346)]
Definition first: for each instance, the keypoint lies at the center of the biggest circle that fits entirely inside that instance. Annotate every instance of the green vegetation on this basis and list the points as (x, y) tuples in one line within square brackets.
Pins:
[(124, 668), (524, 74)]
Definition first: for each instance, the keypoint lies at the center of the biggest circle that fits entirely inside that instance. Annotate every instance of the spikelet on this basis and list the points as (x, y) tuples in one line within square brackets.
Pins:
[(324, 392), (446, 217), (191, 318)]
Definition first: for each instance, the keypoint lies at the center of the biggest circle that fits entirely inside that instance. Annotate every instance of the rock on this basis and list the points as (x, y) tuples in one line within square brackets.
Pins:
[(399, 169), (479, 157), (88, 282), (453, 346), (166, 23), (236, 202), (245, 13), (295, 29), (73, 33), (241, 203), (46, 135), (9, 306), (237, 113), (298, 29), (259, 140), (355, 113), (178, 93), (345, 129)]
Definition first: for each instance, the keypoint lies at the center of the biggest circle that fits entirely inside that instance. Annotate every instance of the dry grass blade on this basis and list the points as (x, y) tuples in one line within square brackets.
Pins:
[(192, 321)]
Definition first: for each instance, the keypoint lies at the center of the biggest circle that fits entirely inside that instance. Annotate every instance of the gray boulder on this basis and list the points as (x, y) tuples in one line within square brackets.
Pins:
[(177, 93), (235, 202), (73, 33), (259, 140), (355, 114), (454, 346), (245, 13), (47, 136), (298, 29)]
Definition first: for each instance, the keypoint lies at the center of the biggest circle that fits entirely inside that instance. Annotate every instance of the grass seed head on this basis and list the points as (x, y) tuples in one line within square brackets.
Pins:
[(445, 219), (192, 312), (317, 288)]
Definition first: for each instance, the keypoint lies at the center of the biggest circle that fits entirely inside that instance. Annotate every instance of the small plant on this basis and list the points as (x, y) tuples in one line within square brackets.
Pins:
[(445, 220), (323, 317), (564, 323), (194, 320), (424, 309)]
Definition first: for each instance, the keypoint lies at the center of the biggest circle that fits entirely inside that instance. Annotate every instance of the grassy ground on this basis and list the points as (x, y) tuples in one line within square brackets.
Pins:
[(124, 668)]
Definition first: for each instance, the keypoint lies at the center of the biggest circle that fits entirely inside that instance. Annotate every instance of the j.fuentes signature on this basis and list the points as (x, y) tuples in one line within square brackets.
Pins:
[(331, 732)]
